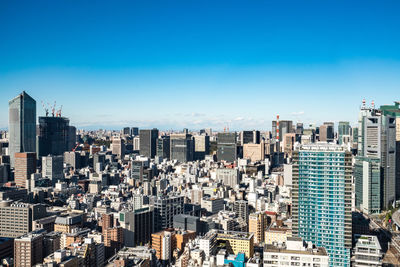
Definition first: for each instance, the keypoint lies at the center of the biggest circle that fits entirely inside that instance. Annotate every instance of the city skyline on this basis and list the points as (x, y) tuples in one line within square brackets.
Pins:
[(166, 66), (188, 133), (221, 125)]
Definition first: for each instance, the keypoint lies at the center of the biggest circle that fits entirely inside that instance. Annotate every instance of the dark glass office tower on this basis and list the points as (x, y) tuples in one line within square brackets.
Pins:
[(134, 131), (22, 125), (71, 138), (148, 142), (226, 147), (163, 147), (52, 136), (250, 137), (182, 148)]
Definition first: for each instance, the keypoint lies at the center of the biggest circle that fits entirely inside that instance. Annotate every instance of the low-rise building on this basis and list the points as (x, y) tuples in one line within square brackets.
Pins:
[(295, 252), (367, 251), (212, 205), (277, 235)]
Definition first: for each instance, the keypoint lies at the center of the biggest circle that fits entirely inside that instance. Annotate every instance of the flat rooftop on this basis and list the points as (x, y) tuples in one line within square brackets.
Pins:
[(318, 251)]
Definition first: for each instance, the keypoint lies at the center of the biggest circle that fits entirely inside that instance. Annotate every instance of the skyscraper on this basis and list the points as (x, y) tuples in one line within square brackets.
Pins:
[(394, 111), (299, 128), (52, 168), (53, 136), (182, 147), (344, 129), (201, 146), (148, 142), (250, 137), (322, 198), (25, 165), (226, 147), (367, 171), (377, 139), (134, 131), (22, 125), (118, 146), (163, 147), (327, 132), (73, 158), (126, 131), (71, 143)]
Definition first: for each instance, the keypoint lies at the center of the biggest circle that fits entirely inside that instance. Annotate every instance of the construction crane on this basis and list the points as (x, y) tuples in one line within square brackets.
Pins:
[(53, 109), (45, 109), (58, 114), (73, 150)]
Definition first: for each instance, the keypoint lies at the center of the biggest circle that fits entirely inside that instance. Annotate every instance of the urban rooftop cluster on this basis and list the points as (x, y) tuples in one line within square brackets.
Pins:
[(298, 195)]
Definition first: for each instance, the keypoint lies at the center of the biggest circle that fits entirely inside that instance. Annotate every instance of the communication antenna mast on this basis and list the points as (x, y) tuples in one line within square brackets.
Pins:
[(363, 104), (277, 128)]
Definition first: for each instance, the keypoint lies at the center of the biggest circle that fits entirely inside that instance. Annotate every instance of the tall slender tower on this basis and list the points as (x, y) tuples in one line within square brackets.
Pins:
[(376, 145), (322, 197), (394, 110), (148, 142), (22, 125)]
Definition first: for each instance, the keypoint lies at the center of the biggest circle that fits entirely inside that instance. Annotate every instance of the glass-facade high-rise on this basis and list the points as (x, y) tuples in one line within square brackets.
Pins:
[(322, 198), (22, 125), (148, 142), (367, 173), (377, 140), (163, 147), (53, 136), (344, 129), (226, 147), (394, 111)]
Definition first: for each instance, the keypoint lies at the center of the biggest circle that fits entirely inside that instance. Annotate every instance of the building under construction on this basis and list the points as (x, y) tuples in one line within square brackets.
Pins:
[(53, 136)]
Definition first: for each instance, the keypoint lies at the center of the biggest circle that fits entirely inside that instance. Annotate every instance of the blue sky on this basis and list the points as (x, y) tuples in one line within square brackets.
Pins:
[(175, 64)]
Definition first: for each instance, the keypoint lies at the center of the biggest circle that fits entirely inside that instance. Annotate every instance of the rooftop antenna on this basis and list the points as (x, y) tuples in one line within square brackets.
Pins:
[(363, 104)]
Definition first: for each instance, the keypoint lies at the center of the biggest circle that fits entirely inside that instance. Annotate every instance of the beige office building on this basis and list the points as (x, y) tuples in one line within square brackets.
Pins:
[(16, 217), (257, 226), (254, 152)]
